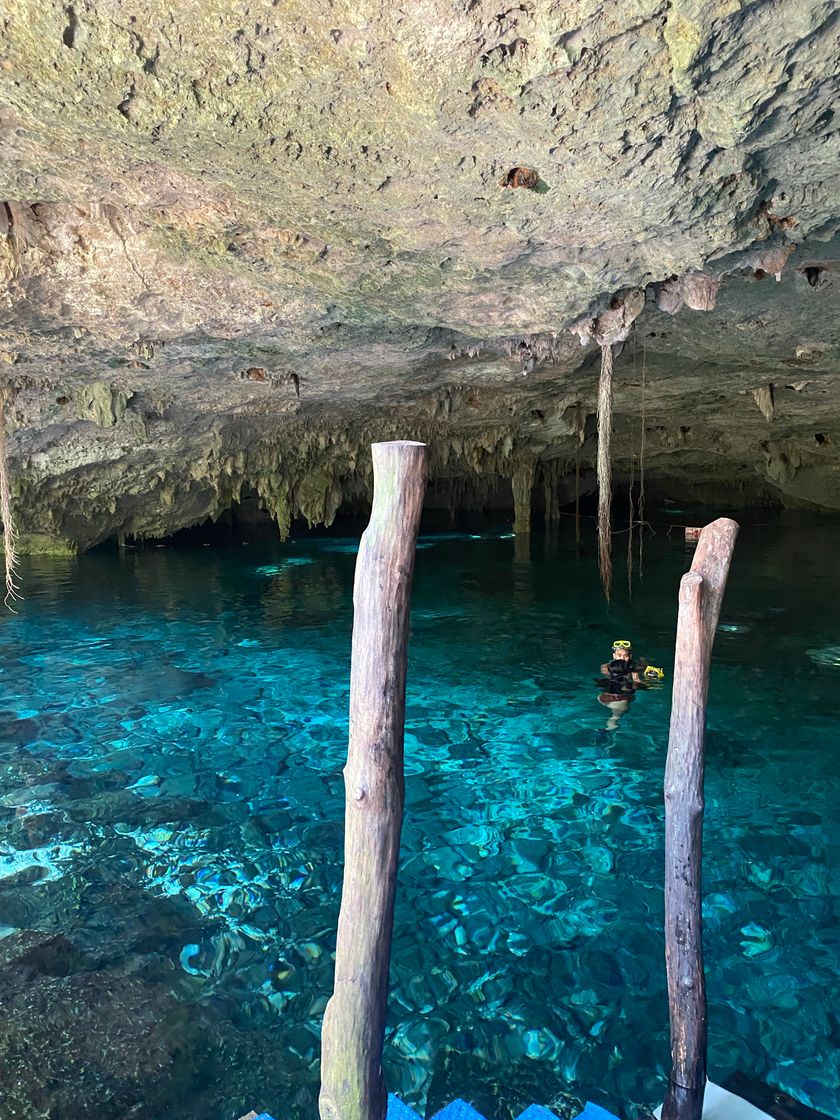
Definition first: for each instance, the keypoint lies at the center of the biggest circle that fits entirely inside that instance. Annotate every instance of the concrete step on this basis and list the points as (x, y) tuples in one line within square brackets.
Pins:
[(720, 1104)]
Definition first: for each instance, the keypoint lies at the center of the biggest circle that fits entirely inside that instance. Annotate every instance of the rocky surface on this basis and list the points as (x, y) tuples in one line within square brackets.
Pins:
[(97, 1018), (240, 241)]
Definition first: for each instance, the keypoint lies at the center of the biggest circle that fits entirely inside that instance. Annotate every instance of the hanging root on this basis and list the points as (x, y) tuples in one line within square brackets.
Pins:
[(632, 482), (642, 422), (630, 530), (9, 531), (578, 442), (605, 407)]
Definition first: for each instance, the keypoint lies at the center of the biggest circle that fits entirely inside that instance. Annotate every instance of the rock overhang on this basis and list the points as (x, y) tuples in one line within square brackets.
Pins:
[(324, 193)]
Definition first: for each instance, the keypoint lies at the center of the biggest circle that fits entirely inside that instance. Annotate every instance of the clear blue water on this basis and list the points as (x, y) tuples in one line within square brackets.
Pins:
[(173, 731)]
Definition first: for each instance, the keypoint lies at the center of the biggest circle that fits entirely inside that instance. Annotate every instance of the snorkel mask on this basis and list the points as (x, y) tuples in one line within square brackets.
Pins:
[(622, 643)]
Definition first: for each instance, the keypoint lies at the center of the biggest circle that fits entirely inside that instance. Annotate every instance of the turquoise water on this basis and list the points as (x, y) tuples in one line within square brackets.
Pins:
[(173, 732)]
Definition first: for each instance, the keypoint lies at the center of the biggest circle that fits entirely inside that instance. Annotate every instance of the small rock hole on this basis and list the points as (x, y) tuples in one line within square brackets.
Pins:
[(520, 177), (69, 36)]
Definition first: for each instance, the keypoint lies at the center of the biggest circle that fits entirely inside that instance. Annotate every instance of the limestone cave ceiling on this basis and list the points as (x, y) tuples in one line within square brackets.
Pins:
[(242, 239)]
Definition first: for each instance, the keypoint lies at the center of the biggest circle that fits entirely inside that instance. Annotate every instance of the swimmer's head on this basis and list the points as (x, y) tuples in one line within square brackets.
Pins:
[(622, 650)]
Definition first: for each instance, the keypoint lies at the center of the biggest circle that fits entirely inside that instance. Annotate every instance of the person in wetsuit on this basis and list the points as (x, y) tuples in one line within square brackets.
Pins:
[(621, 672), (621, 677)]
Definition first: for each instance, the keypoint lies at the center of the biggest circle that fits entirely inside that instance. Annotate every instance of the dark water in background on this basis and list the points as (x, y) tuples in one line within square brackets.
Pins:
[(173, 732)]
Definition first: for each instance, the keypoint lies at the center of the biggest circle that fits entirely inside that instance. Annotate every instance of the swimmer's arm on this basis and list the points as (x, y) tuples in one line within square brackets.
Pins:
[(605, 670)]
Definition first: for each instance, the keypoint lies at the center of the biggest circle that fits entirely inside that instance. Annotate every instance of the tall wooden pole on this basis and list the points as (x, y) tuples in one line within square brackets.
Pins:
[(701, 594), (352, 1085)]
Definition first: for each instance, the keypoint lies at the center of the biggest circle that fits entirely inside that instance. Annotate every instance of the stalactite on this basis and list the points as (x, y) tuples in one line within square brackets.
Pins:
[(523, 480), (764, 397), (605, 408), (551, 478), (457, 489), (9, 530)]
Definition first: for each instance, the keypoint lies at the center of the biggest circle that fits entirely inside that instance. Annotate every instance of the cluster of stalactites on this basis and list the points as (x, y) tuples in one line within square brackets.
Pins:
[(338, 473), (303, 474)]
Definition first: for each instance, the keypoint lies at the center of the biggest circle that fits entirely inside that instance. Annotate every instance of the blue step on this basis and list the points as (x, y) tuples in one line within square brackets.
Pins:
[(536, 1112), (460, 1110), (595, 1112), (399, 1110)]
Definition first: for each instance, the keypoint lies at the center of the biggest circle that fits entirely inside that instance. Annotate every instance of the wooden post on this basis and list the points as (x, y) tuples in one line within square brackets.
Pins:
[(701, 594), (352, 1085)]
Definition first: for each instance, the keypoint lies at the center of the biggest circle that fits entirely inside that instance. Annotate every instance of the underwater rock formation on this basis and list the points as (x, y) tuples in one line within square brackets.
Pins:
[(237, 247)]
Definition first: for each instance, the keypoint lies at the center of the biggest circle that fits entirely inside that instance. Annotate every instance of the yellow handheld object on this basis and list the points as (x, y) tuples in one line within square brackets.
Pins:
[(654, 674)]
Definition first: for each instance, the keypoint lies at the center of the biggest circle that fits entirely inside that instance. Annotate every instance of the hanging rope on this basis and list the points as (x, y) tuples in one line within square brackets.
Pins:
[(9, 531), (605, 407)]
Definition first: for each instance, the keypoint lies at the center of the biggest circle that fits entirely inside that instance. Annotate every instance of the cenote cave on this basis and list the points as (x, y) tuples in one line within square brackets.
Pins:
[(524, 322)]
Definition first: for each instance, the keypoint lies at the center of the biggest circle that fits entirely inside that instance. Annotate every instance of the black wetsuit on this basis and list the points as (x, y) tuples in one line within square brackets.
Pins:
[(621, 676)]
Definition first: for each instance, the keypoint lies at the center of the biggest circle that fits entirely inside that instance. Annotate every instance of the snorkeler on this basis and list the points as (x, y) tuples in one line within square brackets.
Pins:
[(621, 671), (621, 676)]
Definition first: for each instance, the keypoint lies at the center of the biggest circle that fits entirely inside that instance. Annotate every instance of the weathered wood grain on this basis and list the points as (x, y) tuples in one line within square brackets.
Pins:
[(701, 595), (352, 1084)]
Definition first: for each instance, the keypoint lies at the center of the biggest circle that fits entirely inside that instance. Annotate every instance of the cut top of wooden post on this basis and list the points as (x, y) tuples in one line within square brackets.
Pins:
[(393, 449), (711, 561), (396, 464), (399, 483)]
